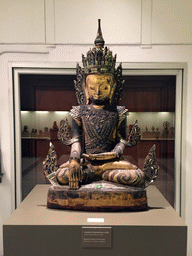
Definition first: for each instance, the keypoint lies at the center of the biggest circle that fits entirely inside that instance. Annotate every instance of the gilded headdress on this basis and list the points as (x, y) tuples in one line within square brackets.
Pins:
[(99, 60)]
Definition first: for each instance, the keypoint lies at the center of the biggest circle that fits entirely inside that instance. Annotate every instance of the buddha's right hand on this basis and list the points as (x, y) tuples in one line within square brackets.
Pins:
[(74, 174)]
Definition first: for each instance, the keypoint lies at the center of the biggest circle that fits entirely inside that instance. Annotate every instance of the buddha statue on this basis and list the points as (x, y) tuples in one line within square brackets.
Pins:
[(98, 128)]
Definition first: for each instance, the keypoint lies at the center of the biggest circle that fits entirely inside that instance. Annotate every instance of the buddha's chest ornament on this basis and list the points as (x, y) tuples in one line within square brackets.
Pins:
[(98, 126)]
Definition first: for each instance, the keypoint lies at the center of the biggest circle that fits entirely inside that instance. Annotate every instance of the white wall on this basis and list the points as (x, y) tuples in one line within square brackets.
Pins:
[(155, 32), (75, 22)]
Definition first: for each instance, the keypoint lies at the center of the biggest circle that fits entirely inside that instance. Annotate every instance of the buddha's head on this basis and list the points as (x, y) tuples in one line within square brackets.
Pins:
[(100, 88)]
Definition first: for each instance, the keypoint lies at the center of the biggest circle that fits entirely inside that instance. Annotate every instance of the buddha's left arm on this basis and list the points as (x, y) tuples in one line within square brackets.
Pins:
[(121, 136)]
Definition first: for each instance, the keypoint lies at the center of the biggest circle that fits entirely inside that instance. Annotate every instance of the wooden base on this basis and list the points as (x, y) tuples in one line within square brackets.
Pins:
[(98, 196)]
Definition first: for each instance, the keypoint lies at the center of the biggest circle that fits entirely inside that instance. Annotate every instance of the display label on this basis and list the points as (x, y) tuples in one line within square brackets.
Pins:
[(96, 237), (101, 220)]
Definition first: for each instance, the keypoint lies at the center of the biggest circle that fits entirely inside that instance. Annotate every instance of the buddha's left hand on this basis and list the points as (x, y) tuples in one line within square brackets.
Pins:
[(101, 156)]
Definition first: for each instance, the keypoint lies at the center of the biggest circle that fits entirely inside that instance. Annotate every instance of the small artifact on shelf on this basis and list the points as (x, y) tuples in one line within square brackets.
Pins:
[(33, 132), (25, 132), (97, 177), (40, 134), (54, 131), (165, 133), (46, 132), (172, 132), (150, 135)]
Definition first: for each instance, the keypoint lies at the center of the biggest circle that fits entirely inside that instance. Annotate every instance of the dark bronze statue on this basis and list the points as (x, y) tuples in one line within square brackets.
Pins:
[(98, 129)]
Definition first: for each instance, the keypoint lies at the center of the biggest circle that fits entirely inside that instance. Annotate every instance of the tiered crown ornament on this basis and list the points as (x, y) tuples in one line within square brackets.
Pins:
[(99, 60)]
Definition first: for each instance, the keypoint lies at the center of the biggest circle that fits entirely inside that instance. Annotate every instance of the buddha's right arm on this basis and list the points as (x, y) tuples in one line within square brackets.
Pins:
[(75, 151), (74, 155), (76, 146), (75, 174)]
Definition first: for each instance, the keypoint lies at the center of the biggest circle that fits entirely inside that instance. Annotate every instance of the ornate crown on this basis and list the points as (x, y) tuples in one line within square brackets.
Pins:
[(99, 59)]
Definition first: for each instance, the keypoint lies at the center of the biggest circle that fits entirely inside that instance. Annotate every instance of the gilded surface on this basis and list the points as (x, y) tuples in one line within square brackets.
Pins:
[(98, 195), (99, 137)]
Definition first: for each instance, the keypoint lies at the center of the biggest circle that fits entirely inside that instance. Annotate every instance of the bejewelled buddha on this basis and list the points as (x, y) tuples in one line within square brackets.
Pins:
[(98, 127)]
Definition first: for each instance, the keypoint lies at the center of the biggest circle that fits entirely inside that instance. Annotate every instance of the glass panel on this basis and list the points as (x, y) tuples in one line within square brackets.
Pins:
[(46, 99), (151, 101)]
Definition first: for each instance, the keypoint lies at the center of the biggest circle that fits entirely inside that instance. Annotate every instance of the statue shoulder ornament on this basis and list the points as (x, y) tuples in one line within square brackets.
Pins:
[(75, 113)]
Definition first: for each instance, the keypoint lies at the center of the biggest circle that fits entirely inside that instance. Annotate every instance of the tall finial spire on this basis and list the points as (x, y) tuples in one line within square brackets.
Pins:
[(99, 59), (99, 41)]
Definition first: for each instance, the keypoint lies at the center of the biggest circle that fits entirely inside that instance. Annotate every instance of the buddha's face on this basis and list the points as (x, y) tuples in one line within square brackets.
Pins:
[(99, 88)]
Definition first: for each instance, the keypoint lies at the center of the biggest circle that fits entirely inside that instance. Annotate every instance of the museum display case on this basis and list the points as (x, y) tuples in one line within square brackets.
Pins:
[(47, 99)]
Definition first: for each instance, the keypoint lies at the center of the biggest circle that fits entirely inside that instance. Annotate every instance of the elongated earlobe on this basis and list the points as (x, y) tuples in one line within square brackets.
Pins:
[(112, 93), (86, 93)]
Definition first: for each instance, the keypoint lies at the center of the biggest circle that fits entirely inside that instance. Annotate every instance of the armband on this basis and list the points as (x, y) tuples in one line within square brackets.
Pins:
[(75, 139)]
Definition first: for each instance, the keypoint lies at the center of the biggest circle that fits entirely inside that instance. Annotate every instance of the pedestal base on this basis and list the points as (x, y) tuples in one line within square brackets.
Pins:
[(33, 229), (98, 196)]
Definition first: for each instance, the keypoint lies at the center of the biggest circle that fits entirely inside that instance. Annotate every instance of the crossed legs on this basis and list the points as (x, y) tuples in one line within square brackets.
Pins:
[(121, 172)]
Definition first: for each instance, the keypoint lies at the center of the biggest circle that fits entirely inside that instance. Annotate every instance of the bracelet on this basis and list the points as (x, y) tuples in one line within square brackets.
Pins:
[(74, 158)]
